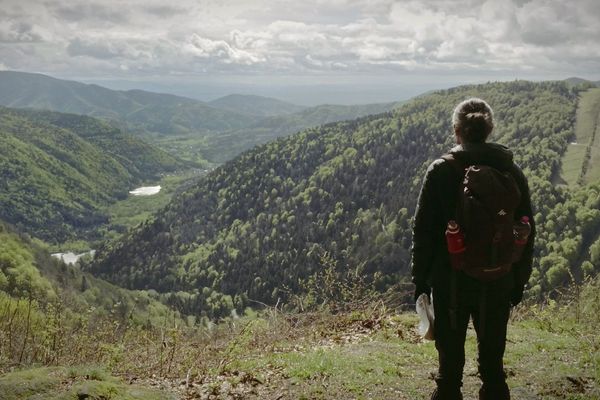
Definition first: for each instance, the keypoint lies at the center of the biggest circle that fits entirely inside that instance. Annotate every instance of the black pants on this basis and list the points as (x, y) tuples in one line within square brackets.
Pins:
[(489, 307)]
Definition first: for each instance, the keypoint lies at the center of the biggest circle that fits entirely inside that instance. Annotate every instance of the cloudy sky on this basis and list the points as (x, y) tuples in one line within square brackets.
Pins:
[(350, 50)]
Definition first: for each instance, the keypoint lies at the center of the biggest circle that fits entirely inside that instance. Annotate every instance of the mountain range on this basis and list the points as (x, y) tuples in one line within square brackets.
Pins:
[(275, 260), (198, 131), (153, 113), (255, 105)]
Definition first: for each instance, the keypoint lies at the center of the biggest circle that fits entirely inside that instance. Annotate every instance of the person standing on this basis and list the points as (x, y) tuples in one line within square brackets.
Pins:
[(459, 294)]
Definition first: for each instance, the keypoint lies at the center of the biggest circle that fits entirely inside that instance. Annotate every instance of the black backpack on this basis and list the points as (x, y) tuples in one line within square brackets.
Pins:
[(485, 212)]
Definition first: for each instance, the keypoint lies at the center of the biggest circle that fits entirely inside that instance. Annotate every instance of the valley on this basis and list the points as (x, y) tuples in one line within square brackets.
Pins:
[(300, 202), (59, 172), (261, 268)]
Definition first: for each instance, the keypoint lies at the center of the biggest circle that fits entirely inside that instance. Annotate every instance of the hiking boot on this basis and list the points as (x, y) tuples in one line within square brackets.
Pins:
[(446, 394), (494, 392)]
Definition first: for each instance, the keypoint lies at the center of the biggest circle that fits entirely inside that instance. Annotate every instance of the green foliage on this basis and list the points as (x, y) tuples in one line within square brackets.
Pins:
[(58, 171), (18, 275), (50, 311), (255, 228), (140, 159), (566, 236)]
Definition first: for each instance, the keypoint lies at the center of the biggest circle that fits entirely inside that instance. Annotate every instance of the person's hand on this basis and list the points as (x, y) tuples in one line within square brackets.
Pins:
[(421, 288), (516, 295)]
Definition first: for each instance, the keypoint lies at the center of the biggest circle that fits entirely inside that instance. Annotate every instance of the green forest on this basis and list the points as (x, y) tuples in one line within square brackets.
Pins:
[(341, 196), (58, 171)]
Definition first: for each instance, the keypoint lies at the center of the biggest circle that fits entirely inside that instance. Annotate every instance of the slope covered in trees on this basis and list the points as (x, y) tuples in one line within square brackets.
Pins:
[(28, 272), (227, 145), (340, 197), (58, 170)]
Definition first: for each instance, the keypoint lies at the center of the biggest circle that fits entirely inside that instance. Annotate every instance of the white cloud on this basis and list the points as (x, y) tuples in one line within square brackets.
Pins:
[(100, 37), (220, 50)]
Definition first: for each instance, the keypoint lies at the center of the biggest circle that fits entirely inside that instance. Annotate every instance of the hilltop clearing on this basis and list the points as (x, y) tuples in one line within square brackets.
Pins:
[(581, 161), (367, 351)]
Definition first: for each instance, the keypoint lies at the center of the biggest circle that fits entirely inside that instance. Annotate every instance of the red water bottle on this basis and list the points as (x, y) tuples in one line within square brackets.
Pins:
[(455, 240), (521, 232)]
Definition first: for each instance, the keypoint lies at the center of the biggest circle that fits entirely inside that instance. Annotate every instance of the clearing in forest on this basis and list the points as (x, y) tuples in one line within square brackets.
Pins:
[(581, 162)]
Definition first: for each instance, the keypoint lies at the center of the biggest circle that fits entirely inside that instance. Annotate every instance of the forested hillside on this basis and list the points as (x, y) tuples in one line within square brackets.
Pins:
[(59, 170), (141, 159), (339, 198), (227, 145)]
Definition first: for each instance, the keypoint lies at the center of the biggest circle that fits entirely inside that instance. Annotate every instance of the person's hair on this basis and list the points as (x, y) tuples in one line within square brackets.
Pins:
[(474, 120)]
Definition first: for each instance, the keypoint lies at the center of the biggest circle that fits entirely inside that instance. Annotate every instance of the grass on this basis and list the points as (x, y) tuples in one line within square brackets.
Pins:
[(56, 383), (391, 362), (386, 362), (371, 352), (574, 160), (572, 163)]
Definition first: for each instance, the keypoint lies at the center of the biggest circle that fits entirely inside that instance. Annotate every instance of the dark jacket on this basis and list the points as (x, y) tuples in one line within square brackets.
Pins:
[(436, 205)]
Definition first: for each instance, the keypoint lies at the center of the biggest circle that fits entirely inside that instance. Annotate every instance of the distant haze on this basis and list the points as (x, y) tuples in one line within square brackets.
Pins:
[(304, 94), (308, 52), (300, 90)]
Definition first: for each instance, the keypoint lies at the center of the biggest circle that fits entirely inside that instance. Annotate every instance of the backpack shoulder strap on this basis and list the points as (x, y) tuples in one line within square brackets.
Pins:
[(450, 207)]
